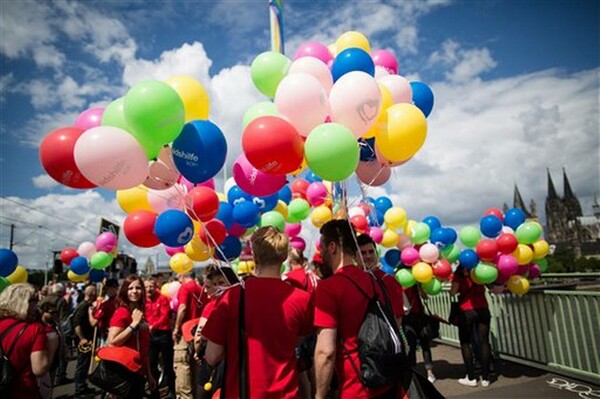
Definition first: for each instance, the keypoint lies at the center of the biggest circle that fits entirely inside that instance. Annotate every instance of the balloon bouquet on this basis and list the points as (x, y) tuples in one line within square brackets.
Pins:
[(90, 259), (10, 270)]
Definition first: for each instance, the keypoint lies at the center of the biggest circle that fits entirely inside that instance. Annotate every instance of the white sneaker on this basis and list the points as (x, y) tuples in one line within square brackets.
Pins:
[(431, 378), (485, 383), (467, 382)]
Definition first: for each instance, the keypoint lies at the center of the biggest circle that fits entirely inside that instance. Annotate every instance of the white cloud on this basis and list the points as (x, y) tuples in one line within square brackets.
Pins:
[(44, 181), (465, 64), (24, 26), (48, 56), (5, 82)]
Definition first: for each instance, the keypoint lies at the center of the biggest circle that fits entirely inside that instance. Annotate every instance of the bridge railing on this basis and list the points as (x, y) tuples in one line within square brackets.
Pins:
[(557, 331)]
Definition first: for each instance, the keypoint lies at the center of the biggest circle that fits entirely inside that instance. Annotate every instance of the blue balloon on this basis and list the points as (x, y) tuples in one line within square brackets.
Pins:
[(387, 269), (422, 97), (490, 226), (451, 235), (199, 151), (174, 228), (352, 59), (375, 218), (468, 258), (225, 214), (433, 222), (514, 217), (246, 214), (236, 194), (8, 262), (231, 247), (367, 149), (382, 204), (392, 258), (311, 177), (97, 275), (285, 194), (266, 204), (439, 237), (80, 266)]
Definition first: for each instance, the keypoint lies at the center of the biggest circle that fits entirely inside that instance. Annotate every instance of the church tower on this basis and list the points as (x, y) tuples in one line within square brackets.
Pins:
[(556, 218)]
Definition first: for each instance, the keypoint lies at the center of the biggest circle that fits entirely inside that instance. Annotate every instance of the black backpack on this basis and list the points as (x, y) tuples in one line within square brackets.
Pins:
[(7, 372), (381, 349)]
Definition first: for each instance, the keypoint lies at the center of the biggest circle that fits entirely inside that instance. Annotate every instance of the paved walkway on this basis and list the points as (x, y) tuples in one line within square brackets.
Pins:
[(510, 380)]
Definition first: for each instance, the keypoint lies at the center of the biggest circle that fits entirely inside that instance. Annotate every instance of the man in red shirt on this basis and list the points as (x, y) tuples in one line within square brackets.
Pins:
[(190, 307), (275, 316), (339, 311), (158, 315), (300, 276)]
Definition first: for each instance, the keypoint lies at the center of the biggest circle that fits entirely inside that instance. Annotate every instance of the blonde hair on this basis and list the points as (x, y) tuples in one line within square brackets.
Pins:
[(269, 246), (14, 300), (296, 257)]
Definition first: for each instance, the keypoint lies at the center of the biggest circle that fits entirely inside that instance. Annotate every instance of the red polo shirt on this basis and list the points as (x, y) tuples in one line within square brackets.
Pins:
[(139, 340), (304, 279), (470, 295), (158, 312), (190, 295)]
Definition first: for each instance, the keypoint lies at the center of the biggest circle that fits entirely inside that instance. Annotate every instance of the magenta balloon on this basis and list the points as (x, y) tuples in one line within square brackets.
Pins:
[(534, 271), (373, 173), (316, 193), (376, 234), (507, 265), (255, 182), (385, 59), (409, 256), (314, 49), (293, 229), (162, 173), (173, 250), (106, 242), (298, 243), (210, 183), (89, 118)]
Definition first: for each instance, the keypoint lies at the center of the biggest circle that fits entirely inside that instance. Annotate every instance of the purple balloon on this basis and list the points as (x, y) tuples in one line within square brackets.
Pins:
[(89, 118), (534, 271)]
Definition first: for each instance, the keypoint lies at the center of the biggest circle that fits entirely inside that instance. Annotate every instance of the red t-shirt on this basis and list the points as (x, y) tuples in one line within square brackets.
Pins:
[(158, 312), (276, 314), (304, 279), (190, 295), (470, 295), (414, 299), (208, 308), (394, 291), (103, 312), (339, 304), (122, 318), (32, 340)]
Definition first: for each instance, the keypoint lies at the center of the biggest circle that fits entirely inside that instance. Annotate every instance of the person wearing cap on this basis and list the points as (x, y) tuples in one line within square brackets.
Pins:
[(104, 308), (158, 316)]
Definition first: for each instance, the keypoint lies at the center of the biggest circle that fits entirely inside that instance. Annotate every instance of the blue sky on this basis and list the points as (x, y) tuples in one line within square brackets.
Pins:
[(516, 83)]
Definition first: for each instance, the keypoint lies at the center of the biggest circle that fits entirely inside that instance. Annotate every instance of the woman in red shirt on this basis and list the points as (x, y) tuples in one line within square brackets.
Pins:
[(128, 328), (23, 339), (474, 312)]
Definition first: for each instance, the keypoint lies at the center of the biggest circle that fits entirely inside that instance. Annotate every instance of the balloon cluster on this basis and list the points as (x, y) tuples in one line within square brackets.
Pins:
[(170, 291), (89, 259), (338, 109), (10, 270)]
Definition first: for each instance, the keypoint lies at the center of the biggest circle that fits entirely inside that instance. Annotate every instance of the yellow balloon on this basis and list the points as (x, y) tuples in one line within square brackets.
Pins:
[(76, 278), (282, 208), (134, 199), (181, 263), (523, 254), (352, 39), (405, 134), (390, 238), (251, 266), (381, 122), (395, 218), (320, 215), (197, 250), (222, 197), (197, 226), (301, 168), (540, 249), (422, 272), (242, 267), (165, 290), (193, 95), (19, 276), (518, 285), (409, 226)]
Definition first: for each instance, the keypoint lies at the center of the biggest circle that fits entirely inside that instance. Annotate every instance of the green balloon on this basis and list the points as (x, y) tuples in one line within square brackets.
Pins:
[(405, 278), (268, 70), (274, 219), (298, 210), (542, 263), (100, 260), (450, 253), (263, 108), (528, 233), (154, 112), (332, 152), (3, 283), (486, 272), (469, 236), (420, 233), (432, 287)]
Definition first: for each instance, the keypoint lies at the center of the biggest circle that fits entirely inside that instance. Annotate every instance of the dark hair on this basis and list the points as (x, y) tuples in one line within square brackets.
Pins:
[(123, 299), (214, 271), (365, 239), (342, 233)]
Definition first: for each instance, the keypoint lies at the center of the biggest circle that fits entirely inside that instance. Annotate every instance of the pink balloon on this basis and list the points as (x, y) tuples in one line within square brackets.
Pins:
[(171, 198), (380, 72), (106, 242), (409, 256), (399, 87), (315, 67), (404, 241), (376, 234), (162, 172), (373, 173), (356, 210), (188, 184), (293, 229), (89, 118), (174, 289), (429, 253), (298, 243), (507, 265), (255, 182), (86, 249), (236, 230), (316, 193), (111, 158), (385, 59), (210, 183), (174, 304), (314, 49), (173, 250)]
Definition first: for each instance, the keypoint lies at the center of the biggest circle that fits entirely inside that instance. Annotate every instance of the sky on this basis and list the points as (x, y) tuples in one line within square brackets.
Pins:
[(516, 92)]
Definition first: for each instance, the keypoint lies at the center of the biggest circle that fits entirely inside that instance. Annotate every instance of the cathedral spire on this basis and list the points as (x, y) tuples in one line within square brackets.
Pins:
[(567, 186), (551, 190), (518, 201)]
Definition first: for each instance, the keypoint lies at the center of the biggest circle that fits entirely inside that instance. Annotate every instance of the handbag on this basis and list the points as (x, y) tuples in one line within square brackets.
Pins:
[(113, 378), (7, 371), (454, 316)]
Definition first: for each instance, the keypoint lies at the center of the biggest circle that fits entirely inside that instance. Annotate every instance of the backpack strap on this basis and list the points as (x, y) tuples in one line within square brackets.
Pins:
[(5, 332)]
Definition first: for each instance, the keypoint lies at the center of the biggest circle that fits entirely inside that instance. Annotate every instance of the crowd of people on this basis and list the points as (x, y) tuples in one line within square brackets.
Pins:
[(271, 334)]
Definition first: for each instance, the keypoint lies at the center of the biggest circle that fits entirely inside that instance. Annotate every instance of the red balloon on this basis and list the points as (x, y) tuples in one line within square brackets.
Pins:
[(56, 154), (487, 249), (67, 255), (299, 187), (213, 231), (272, 145), (507, 243), (365, 207), (202, 203), (442, 269), (360, 223), (139, 229), (496, 212)]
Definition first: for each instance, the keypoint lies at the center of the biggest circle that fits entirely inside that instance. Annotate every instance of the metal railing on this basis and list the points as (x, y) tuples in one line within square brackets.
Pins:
[(557, 331)]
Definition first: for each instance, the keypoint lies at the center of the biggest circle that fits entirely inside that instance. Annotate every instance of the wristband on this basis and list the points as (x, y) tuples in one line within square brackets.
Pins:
[(134, 329)]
